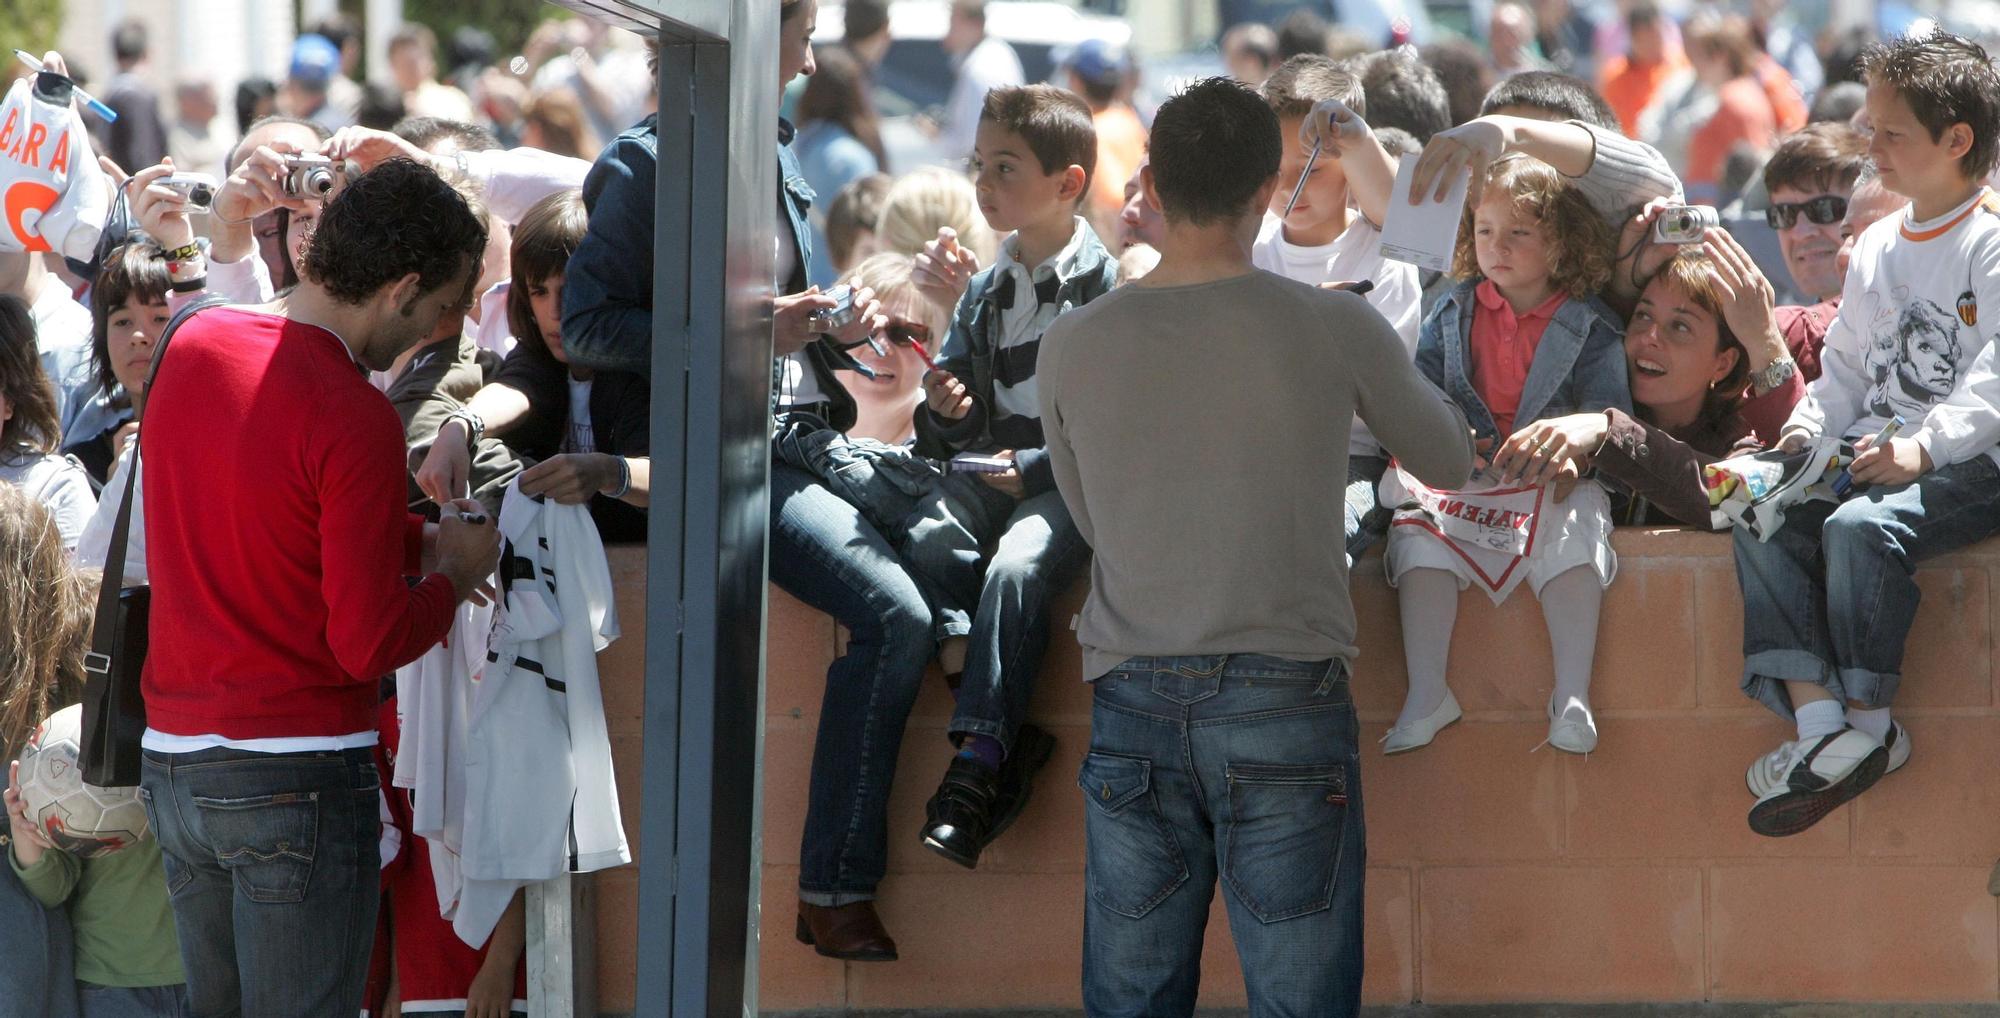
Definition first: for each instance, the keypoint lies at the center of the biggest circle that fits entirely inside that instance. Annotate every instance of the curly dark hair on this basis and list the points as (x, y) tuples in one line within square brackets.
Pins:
[(396, 219), (1580, 242)]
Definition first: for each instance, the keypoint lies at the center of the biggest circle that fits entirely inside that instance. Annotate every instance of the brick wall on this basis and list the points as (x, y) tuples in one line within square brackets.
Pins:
[(1496, 873)]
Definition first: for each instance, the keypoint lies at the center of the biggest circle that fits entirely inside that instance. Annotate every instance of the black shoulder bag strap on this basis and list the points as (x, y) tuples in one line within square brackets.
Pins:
[(114, 711)]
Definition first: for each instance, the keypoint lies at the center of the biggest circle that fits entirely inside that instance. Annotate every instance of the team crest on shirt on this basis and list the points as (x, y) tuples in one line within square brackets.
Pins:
[(1968, 309)]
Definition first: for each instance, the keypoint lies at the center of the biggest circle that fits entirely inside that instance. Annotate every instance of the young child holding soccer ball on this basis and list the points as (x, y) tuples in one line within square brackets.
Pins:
[(127, 955)]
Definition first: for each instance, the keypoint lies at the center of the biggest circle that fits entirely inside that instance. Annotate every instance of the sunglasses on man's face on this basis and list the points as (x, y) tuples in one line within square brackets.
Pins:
[(1825, 210)]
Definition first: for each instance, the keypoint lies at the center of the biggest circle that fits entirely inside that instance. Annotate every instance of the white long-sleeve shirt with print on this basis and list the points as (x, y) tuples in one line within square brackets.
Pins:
[(1914, 338)]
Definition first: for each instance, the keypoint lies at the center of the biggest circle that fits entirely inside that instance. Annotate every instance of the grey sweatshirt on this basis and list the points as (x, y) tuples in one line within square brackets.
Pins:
[(1199, 437)]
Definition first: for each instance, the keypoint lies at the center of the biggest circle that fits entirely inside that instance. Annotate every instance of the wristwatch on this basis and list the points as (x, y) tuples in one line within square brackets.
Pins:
[(1775, 374), (475, 426)]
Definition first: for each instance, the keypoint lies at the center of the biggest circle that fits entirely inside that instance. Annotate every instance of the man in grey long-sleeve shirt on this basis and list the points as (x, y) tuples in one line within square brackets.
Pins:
[(1197, 425)]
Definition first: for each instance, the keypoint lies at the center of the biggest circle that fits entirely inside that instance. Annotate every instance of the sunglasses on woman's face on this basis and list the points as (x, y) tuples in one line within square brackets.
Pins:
[(1825, 210), (907, 334)]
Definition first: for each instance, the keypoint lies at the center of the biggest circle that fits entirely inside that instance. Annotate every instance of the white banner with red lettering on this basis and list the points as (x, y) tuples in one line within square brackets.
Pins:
[(55, 197), (1491, 528)]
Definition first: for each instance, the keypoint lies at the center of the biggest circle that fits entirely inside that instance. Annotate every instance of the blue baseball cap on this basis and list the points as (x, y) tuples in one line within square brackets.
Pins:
[(315, 59), (1099, 61)]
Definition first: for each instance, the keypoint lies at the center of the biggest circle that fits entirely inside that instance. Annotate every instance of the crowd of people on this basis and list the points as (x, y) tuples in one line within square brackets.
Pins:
[(400, 418)]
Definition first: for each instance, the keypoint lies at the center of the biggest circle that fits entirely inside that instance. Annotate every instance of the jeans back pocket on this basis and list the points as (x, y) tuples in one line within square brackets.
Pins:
[(1285, 836), (1132, 861), (267, 842)]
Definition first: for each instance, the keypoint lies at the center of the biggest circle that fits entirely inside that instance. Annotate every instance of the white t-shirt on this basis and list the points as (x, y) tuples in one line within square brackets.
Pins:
[(1919, 312), (62, 335), (579, 436), (1353, 256), (58, 484), (93, 549)]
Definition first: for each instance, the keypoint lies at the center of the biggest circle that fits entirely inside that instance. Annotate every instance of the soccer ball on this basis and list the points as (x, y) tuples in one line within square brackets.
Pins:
[(83, 820)]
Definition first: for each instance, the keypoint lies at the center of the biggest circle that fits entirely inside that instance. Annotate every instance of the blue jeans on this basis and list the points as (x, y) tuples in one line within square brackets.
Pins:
[(1243, 768), (1367, 520), (274, 871), (1830, 598), (825, 554), (1038, 554), (133, 1001)]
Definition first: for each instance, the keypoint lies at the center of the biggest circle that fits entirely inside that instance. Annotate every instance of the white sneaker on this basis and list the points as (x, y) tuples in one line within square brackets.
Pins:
[(1575, 729), (1418, 734), (1898, 745), (1818, 776)]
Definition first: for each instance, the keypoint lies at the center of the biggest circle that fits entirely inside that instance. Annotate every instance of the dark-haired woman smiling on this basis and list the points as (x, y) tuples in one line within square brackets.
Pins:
[(1688, 364)]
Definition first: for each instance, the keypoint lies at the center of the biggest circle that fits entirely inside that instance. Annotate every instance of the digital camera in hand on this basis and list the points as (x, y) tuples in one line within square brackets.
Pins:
[(197, 188), (310, 176), (83, 820), (1684, 224), (841, 314)]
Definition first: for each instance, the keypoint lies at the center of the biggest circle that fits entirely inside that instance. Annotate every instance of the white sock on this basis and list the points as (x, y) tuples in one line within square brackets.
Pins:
[(1821, 717), (1429, 602), (1874, 722), (1570, 605)]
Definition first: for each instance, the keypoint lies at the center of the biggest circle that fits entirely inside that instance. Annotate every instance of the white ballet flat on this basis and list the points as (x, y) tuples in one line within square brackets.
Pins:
[(1418, 734), (1570, 733)]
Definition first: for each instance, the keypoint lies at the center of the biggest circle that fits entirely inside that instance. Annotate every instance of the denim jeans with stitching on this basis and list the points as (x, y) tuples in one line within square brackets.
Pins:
[(1829, 599), (824, 553), (274, 872), (1240, 769)]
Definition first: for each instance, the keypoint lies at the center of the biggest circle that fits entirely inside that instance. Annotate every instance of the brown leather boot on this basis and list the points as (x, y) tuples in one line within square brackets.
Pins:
[(848, 932)]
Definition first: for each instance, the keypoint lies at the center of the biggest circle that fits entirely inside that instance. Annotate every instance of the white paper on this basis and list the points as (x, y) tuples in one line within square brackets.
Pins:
[(1423, 235)]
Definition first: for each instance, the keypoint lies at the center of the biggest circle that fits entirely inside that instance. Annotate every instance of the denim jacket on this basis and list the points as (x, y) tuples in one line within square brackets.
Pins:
[(977, 330), (1579, 364), (607, 301)]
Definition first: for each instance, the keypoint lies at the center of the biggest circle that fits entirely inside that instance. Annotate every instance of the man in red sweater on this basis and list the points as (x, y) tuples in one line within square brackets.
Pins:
[(279, 549)]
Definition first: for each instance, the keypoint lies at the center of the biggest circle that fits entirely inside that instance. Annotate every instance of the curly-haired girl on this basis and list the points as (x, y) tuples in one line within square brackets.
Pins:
[(1521, 339)]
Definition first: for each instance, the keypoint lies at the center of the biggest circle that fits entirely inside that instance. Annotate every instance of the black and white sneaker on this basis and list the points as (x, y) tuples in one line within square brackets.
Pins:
[(1898, 745), (1820, 775)]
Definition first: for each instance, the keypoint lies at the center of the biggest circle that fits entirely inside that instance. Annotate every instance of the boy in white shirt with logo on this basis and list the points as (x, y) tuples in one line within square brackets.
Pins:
[(1322, 240), (1828, 602)]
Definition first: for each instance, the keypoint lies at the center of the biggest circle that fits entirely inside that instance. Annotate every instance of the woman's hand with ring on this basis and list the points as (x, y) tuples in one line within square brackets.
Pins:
[(1540, 453)]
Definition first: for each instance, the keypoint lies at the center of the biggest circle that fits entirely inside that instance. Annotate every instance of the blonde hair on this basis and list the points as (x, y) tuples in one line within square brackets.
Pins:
[(926, 199), (1579, 241), (45, 612), (888, 274)]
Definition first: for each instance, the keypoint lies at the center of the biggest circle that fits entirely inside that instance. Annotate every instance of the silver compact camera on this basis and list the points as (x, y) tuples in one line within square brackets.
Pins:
[(841, 315), (1684, 224), (309, 176), (197, 188)]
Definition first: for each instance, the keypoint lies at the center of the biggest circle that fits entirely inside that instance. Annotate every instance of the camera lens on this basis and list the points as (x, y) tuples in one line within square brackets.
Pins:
[(319, 181), (200, 195)]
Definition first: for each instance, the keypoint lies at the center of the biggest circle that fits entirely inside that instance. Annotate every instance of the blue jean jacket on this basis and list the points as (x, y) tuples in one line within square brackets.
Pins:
[(977, 329), (607, 308), (1579, 364)]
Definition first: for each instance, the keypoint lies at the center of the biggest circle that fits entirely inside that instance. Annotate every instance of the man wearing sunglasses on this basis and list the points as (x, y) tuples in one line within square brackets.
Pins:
[(1810, 179)]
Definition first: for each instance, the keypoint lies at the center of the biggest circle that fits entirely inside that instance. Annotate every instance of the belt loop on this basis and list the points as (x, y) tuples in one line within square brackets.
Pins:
[(1333, 674)]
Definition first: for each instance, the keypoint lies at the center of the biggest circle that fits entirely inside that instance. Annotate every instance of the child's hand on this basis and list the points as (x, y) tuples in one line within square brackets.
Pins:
[(572, 478), (943, 270), (1336, 128), (1472, 146), (1008, 482), (1899, 462), (946, 395), (491, 994), (1481, 449), (869, 321), (160, 212), (29, 841)]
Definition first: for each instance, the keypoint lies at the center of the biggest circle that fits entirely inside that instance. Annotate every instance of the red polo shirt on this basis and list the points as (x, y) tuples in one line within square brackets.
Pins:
[(1503, 349), (277, 536)]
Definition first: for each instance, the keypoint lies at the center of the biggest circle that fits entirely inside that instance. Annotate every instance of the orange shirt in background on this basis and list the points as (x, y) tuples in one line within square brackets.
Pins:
[(1630, 87), (1743, 115), (1121, 144)]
